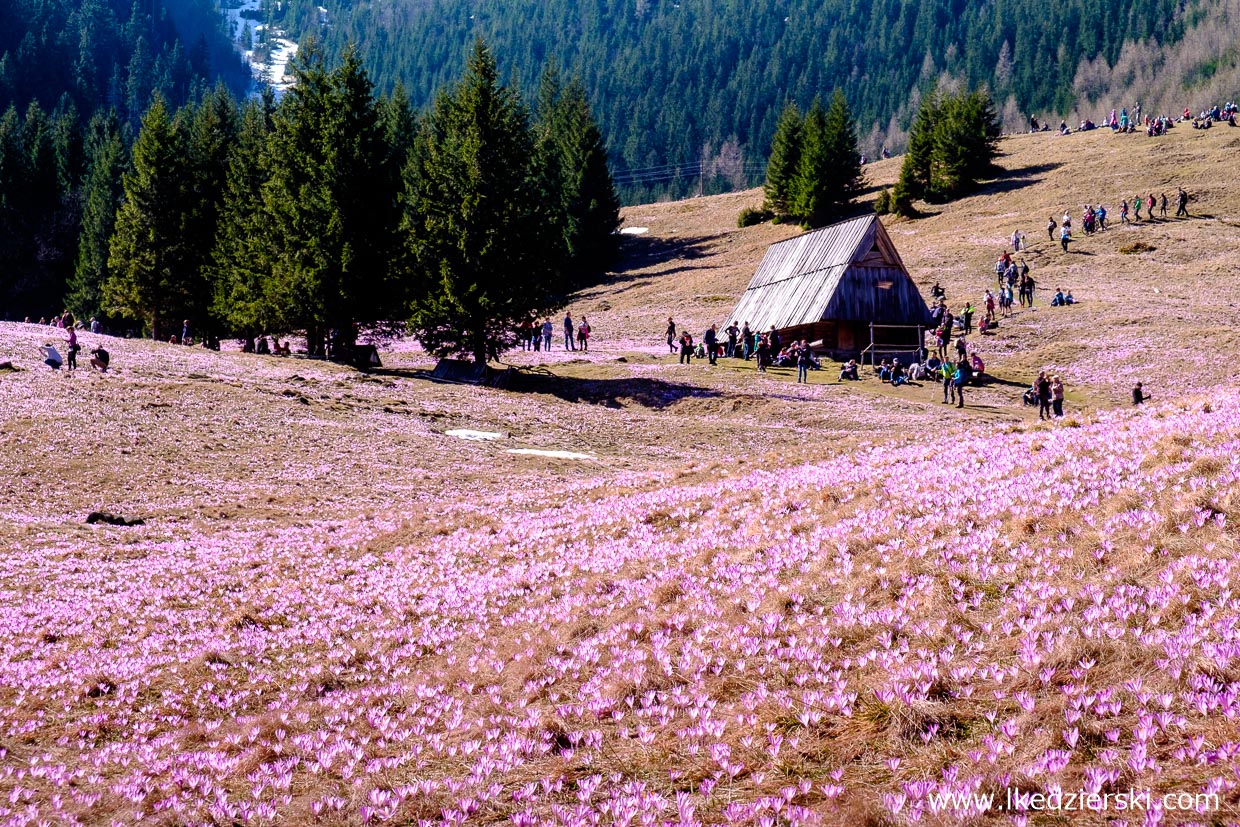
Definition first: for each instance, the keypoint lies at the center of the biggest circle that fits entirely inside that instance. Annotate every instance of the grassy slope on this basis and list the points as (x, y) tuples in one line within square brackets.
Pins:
[(757, 599)]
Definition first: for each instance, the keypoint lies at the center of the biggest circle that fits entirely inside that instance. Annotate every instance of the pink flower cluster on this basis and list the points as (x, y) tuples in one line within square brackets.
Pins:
[(1052, 608)]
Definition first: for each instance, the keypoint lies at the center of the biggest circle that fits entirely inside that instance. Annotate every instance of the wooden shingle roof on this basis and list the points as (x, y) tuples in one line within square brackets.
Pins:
[(832, 273)]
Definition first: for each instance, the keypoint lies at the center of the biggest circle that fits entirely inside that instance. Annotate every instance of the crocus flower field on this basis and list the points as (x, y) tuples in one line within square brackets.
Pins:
[(871, 637)]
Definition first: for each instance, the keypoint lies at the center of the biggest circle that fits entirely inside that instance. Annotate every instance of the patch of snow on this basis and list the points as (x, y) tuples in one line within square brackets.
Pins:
[(475, 436), (539, 452), (634, 230)]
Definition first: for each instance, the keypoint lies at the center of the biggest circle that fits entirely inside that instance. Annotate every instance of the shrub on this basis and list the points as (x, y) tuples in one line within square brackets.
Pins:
[(749, 217), (882, 204), (1137, 247)]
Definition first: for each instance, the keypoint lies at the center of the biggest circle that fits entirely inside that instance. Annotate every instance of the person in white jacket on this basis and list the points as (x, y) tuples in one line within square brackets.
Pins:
[(51, 356)]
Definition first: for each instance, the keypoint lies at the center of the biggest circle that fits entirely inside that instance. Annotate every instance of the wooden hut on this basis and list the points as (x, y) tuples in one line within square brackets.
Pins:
[(842, 288)]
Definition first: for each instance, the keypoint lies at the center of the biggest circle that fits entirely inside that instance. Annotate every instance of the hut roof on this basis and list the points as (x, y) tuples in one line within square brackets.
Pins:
[(848, 271)]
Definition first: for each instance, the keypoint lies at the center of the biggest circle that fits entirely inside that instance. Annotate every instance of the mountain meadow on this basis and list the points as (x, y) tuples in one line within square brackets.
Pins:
[(614, 589)]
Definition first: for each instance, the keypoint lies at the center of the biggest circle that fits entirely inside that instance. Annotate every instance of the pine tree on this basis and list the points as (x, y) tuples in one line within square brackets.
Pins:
[(480, 253), (147, 255), (101, 194), (785, 159)]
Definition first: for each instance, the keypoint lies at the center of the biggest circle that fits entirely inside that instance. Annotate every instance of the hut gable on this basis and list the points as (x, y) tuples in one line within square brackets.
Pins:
[(847, 272)]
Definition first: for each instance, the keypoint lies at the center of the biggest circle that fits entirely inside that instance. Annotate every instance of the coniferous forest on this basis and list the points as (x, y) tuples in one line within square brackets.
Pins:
[(75, 82), (689, 92), (331, 210)]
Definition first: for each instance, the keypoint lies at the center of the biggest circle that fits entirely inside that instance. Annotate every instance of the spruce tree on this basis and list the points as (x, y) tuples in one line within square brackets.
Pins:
[(811, 198), (480, 250), (243, 253), (147, 254), (785, 159), (845, 180), (915, 172), (572, 162), (331, 203), (211, 140)]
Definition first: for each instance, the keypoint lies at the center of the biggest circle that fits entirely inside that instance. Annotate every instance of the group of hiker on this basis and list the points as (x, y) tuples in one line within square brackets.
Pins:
[(535, 335), (100, 358), (1094, 219), (1124, 121)]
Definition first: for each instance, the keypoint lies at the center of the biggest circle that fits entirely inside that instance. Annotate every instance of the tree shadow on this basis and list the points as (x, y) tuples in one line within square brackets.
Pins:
[(1015, 179), (642, 252), (655, 394)]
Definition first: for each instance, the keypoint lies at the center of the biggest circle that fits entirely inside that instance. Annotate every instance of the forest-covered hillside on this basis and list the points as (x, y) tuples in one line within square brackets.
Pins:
[(697, 85), (75, 80), (111, 53)]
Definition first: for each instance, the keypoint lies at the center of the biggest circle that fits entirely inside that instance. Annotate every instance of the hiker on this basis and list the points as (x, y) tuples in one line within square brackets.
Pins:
[(990, 306), (961, 378), (948, 372), (764, 353), (1123, 212), (1029, 287), (898, 374), (548, 331), (1102, 217), (1181, 201), (671, 335), (100, 359), (1051, 226), (686, 348), (1138, 394), (95, 327), (1151, 202), (51, 356), (568, 332), (185, 339), (1064, 238), (711, 339), (1162, 206), (583, 335), (733, 332), (71, 349), (747, 346), (1136, 207), (966, 317), (1043, 386), (804, 360), (1057, 394)]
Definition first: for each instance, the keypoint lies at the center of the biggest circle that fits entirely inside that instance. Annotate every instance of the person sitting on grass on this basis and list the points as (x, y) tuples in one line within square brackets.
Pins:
[(884, 370), (1058, 299), (282, 349), (1068, 298), (849, 371), (898, 375)]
